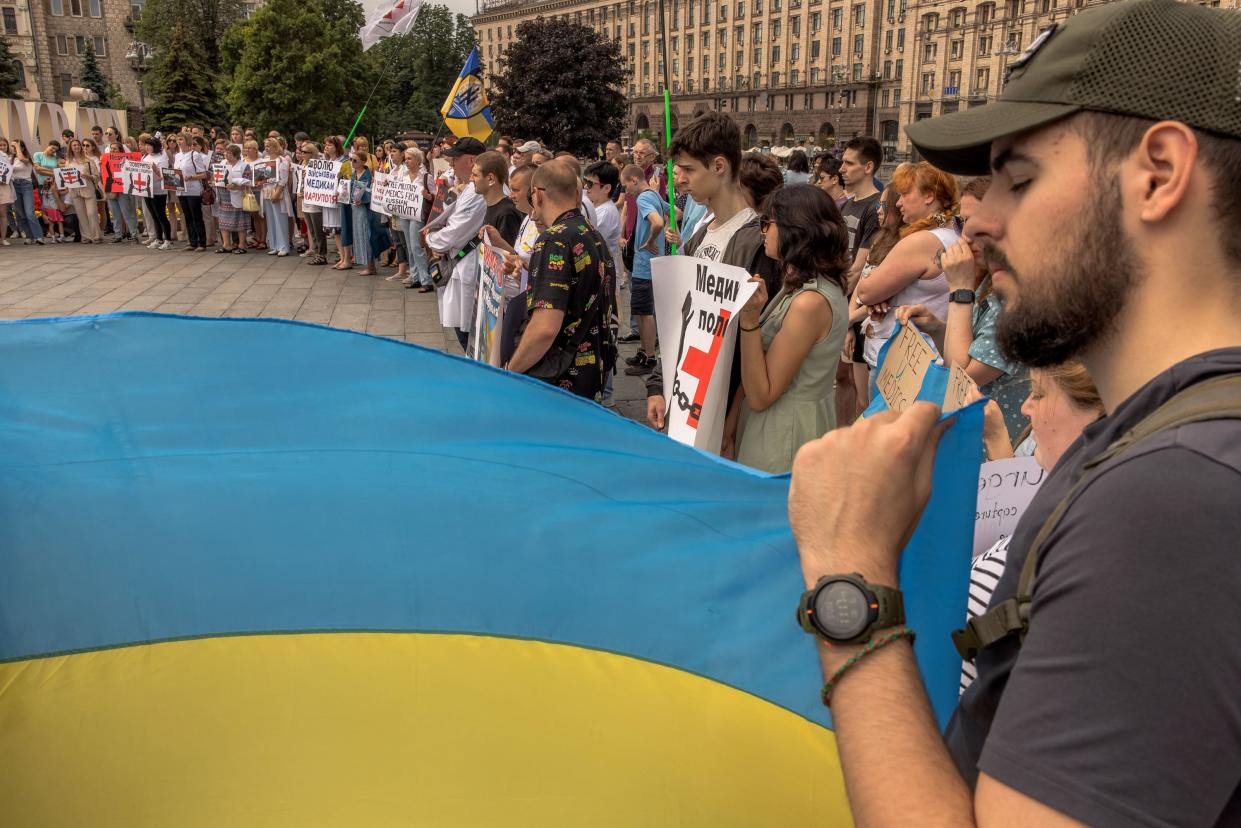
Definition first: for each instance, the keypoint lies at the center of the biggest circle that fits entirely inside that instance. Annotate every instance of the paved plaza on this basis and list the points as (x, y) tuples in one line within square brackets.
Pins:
[(77, 280)]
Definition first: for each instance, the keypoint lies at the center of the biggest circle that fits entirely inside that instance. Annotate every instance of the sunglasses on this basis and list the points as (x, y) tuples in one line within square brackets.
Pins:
[(589, 184), (763, 224)]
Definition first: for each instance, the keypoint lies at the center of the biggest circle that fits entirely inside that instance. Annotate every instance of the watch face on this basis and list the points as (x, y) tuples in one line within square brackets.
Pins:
[(842, 610)]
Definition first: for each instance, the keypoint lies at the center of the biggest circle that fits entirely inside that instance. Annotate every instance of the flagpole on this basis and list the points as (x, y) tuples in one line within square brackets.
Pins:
[(382, 74), (672, 210)]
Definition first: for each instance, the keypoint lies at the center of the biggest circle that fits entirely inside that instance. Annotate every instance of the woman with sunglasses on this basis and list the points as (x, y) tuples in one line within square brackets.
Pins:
[(790, 348)]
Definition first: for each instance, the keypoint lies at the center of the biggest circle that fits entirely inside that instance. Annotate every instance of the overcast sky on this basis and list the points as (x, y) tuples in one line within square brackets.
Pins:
[(465, 7)]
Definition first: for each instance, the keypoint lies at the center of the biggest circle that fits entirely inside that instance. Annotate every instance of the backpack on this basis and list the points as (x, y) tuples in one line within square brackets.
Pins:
[(1218, 398)]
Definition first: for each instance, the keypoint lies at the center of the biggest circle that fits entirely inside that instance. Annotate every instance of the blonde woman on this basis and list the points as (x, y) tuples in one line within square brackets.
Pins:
[(93, 150), (84, 202), (277, 205), (7, 194), (173, 149), (250, 153)]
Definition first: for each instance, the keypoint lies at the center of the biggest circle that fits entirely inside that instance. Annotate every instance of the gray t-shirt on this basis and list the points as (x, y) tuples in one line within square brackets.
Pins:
[(1123, 706)]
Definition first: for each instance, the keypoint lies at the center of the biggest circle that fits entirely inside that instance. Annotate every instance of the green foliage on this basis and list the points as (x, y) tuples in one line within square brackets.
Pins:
[(297, 65), (560, 83), (114, 99), (9, 87), (180, 91), (93, 77), (418, 71), (205, 22)]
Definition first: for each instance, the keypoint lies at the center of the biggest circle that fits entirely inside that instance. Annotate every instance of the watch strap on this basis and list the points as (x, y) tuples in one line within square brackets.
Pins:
[(891, 610), (962, 296)]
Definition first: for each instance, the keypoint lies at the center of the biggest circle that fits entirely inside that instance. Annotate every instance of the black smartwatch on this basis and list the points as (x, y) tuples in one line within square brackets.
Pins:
[(962, 297), (844, 609)]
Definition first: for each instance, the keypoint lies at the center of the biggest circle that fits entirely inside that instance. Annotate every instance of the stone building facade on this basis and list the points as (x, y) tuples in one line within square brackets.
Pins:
[(802, 72)]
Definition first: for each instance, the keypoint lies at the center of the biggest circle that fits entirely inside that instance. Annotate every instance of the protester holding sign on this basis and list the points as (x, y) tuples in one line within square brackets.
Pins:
[(84, 202), (234, 221), (912, 274), (361, 182), (790, 348), (318, 170), (194, 165), (22, 166), (125, 208), (7, 194), (412, 173), (333, 152), (157, 203), (277, 204)]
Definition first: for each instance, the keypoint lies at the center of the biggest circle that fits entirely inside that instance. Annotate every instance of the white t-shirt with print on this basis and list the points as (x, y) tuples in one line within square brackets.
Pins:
[(715, 242)]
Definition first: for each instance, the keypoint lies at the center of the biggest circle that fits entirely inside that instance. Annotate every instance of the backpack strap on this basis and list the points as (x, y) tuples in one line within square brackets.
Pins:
[(1218, 398)]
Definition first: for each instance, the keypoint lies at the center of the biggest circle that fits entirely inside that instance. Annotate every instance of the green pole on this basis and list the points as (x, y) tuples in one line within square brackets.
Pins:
[(672, 210), (355, 125)]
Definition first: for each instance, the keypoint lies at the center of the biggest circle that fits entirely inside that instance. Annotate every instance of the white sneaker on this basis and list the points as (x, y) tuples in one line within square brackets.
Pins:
[(153, 244), (166, 246)]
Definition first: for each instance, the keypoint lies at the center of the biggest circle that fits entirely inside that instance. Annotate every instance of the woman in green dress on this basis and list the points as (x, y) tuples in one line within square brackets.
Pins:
[(790, 349)]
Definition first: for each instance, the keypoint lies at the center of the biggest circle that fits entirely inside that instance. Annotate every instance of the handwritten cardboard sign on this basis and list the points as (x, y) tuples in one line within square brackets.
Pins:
[(960, 389), (904, 368), (1005, 489)]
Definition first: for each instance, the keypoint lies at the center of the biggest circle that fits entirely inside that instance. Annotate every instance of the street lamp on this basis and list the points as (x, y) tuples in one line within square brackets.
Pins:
[(140, 57)]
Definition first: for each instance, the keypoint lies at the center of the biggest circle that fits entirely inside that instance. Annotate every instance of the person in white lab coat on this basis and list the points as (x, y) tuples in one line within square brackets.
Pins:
[(454, 233)]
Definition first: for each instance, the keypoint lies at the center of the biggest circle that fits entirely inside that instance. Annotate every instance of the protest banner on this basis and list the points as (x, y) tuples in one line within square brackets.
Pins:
[(219, 175), (403, 198), (344, 191), (299, 174), (262, 171), (902, 372), (379, 193), (319, 185), (695, 302), (173, 179), (69, 178), (5, 170), (136, 178), (489, 315), (1005, 489), (960, 389)]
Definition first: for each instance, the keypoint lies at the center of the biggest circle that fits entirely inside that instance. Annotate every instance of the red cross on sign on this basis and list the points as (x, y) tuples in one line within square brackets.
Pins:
[(701, 364)]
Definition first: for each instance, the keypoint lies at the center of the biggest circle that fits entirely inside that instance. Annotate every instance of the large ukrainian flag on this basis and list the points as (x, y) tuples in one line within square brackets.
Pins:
[(467, 111), (263, 573)]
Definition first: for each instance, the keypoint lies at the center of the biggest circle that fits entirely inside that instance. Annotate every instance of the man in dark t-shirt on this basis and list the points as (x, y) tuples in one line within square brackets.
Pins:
[(858, 163), (489, 176), (567, 339), (1112, 697)]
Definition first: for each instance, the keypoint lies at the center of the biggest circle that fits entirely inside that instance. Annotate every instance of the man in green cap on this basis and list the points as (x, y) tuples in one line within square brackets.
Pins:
[(1109, 683)]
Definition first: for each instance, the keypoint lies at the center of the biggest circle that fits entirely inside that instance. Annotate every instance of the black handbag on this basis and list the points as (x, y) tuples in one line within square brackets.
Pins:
[(441, 269), (627, 255)]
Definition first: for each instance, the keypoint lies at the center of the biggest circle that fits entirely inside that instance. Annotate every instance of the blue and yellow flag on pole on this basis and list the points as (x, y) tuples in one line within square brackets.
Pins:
[(467, 111)]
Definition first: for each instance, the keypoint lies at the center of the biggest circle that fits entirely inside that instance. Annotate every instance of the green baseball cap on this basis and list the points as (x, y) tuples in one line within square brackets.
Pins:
[(1158, 59)]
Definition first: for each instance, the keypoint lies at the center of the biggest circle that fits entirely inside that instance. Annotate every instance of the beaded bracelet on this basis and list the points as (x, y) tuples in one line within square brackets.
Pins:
[(871, 646)]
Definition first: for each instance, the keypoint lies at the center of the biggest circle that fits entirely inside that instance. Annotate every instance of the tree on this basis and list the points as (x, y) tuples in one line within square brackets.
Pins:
[(296, 65), (205, 22), (561, 83), (10, 83), (180, 91), (93, 77)]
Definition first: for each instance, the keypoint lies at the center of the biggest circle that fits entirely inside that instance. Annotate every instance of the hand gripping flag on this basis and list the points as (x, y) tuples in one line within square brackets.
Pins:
[(394, 19), (238, 588), (467, 112)]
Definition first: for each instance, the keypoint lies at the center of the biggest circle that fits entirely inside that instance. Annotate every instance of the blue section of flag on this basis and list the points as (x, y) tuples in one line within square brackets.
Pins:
[(165, 477)]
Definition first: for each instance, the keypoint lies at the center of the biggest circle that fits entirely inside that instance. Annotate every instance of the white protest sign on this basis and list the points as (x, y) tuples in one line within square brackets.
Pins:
[(904, 368), (344, 191), (379, 193), (403, 198), (319, 186), (5, 170), (136, 178), (1005, 488), (696, 301), (69, 178), (219, 175), (299, 173)]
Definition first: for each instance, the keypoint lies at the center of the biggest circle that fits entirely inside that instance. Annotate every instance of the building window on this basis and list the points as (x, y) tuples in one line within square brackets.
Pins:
[(775, 54), (100, 46), (930, 22), (739, 36), (816, 22), (887, 70), (900, 40), (954, 82), (66, 83), (722, 62), (10, 21), (837, 18), (900, 69), (982, 79), (62, 45), (815, 49), (689, 66), (723, 13), (957, 18), (883, 99), (984, 45), (835, 47), (986, 13), (757, 31), (928, 52), (758, 6), (95, 9), (775, 79), (857, 71), (928, 82), (775, 29), (859, 42), (758, 56), (740, 11), (775, 6), (75, 8), (795, 26), (689, 42), (887, 42), (721, 37), (794, 53), (706, 40), (792, 82), (859, 15), (739, 58), (58, 7), (958, 49)]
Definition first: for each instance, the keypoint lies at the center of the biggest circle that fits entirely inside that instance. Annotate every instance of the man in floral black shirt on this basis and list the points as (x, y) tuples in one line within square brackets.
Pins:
[(569, 337)]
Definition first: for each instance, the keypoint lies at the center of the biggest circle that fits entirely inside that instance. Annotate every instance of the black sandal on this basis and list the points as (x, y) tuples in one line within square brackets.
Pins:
[(239, 251), (224, 250)]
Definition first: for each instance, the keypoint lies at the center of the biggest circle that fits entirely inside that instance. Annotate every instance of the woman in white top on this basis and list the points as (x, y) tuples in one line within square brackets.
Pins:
[(195, 166), (234, 221), (412, 170), (911, 274), (22, 167), (333, 150), (316, 250), (7, 195), (84, 196), (157, 204), (173, 148), (277, 205)]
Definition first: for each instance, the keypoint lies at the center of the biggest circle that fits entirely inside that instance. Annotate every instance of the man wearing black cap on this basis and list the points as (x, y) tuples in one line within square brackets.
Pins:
[(1109, 681), (452, 237)]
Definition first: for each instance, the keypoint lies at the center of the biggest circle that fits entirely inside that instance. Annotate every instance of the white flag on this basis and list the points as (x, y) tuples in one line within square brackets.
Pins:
[(395, 18)]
